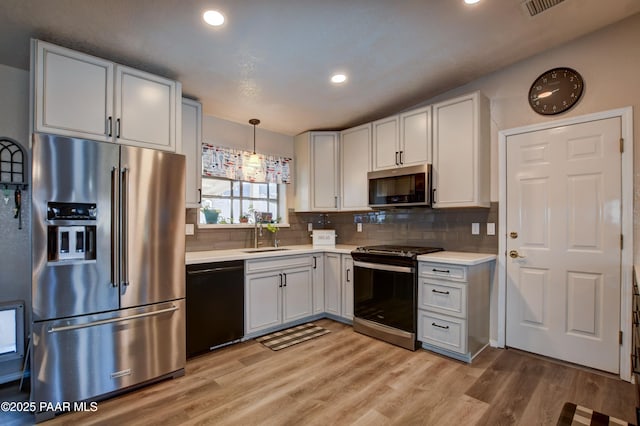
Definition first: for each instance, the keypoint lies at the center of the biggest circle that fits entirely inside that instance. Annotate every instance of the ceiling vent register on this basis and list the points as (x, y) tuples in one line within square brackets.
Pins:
[(535, 7)]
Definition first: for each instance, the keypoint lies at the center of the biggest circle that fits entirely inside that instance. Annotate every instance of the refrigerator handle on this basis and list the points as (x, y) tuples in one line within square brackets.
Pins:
[(114, 226), (124, 224), (111, 320)]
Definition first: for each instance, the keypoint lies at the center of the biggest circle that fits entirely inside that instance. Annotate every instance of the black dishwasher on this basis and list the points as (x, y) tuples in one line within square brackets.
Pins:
[(215, 305)]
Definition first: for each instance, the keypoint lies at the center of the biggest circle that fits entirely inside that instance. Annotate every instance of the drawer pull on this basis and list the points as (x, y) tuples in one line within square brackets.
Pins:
[(446, 271), (446, 327), (439, 292)]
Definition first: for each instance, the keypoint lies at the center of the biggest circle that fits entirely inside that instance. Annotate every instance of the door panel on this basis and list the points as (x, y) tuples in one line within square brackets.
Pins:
[(153, 217), (67, 170), (298, 293), (563, 229)]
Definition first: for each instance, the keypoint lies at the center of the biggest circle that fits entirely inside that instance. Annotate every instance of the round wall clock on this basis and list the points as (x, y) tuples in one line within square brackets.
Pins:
[(556, 91)]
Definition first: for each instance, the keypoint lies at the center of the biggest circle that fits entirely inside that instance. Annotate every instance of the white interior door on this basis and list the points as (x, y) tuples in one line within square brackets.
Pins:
[(564, 225)]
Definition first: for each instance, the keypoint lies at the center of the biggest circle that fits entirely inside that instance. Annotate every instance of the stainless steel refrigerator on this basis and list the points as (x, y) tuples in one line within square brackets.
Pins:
[(108, 282)]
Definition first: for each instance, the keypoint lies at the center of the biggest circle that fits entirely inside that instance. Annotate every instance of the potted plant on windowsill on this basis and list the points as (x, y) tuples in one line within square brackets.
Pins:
[(244, 218), (210, 215)]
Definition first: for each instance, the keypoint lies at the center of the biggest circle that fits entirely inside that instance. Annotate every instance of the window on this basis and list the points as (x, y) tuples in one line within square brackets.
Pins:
[(227, 202)]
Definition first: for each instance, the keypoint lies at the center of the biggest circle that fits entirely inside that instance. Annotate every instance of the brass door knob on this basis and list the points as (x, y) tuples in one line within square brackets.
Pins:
[(515, 255)]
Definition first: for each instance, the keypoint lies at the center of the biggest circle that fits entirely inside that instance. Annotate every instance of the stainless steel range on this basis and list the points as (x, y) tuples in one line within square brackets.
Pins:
[(386, 292)]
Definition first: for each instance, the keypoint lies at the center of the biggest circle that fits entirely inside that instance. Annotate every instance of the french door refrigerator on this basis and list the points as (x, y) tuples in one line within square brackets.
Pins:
[(108, 282)]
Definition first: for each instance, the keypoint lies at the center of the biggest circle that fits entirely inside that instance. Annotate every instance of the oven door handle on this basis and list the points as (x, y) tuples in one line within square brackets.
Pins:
[(384, 267)]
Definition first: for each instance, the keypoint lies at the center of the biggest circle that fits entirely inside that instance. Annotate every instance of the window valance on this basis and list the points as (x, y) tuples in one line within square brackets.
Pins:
[(242, 165)]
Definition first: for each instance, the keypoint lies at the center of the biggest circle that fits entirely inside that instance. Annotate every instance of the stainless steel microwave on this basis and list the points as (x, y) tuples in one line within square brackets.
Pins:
[(403, 186)]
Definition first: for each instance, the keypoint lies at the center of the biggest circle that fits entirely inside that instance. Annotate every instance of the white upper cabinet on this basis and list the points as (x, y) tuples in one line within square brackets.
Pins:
[(355, 161), (82, 96), (461, 156), (145, 109), (385, 139), (191, 147), (415, 137), (317, 177), (402, 140), (73, 93)]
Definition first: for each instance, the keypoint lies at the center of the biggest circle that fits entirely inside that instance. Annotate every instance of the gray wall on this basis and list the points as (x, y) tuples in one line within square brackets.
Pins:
[(15, 244)]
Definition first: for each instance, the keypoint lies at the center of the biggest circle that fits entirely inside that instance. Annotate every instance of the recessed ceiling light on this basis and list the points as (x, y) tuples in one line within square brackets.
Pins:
[(213, 18), (471, 1), (338, 78)]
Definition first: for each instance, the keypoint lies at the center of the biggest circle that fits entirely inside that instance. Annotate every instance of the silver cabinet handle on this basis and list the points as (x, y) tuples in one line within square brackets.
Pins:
[(315, 262), (110, 126), (285, 279), (348, 279), (397, 162), (401, 160), (111, 320), (336, 201), (280, 281), (118, 128)]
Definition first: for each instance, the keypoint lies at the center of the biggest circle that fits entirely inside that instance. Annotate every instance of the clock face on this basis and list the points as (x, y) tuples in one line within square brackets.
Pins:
[(555, 91)]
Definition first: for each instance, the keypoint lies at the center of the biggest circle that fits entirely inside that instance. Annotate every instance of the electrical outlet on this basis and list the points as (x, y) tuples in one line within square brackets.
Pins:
[(475, 228), (491, 228), (309, 226), (189, 229), (359, 227)]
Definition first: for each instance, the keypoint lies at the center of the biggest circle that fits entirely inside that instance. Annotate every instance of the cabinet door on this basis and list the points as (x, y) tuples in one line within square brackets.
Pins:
[(297, 293), (192, 149), (355, 161), (461, 152), (415, 137), (325, 182), (332, 284), (73, 93), (385, 143), (145, 109), (347, 286), (318, 283), (263, 301)]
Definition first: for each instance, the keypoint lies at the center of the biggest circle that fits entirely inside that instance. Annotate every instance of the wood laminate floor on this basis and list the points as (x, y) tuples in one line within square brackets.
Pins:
[(344, 378)]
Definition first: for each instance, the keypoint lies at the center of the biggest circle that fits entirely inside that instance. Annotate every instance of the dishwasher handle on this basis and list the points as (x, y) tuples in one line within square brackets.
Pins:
[(218, 269)]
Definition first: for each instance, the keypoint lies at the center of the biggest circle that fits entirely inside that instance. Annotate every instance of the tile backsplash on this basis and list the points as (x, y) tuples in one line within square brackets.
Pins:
[(447, 228)]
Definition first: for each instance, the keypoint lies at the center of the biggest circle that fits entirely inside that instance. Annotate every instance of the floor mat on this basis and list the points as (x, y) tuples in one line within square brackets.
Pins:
[(292, 336), (576, 415)]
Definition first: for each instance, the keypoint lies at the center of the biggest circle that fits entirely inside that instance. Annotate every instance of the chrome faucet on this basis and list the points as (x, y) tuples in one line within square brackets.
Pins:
[(257, 217)]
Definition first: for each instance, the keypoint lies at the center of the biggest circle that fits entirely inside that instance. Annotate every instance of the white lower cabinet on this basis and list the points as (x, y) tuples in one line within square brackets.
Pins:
[(347, 287), (453, 308), (338, 281), (277, 291), (318, 283)]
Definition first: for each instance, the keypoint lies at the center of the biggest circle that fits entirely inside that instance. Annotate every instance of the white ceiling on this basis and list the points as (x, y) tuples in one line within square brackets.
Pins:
[(272, 59)]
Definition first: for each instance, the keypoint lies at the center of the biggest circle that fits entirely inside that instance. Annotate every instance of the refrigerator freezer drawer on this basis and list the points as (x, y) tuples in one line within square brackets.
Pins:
[(86, 357)]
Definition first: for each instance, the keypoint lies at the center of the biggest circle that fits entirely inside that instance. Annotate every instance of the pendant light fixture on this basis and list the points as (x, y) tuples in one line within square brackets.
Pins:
[(254, 159), (254, 122)]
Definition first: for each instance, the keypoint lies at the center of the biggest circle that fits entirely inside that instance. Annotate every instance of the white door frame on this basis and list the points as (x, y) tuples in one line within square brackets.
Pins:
[(626, 115)]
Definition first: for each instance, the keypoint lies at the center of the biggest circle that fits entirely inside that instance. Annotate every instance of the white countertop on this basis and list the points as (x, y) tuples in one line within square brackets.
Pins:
[(457, 257), (193, 257)]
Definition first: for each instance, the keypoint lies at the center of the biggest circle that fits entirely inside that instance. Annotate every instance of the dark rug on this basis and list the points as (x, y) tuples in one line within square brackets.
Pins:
[(577, 415), (292, 336)]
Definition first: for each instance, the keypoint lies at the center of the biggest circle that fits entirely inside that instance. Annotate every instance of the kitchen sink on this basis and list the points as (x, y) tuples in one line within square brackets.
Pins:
[(262, 250)]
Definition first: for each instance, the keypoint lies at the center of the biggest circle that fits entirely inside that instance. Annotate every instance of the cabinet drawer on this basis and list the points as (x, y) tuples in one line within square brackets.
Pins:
[(443, 270), (443, 331), (446, 297), (277, 262)]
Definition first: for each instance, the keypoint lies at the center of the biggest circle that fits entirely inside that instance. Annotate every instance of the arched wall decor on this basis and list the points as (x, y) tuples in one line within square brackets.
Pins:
[(13, 174)]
